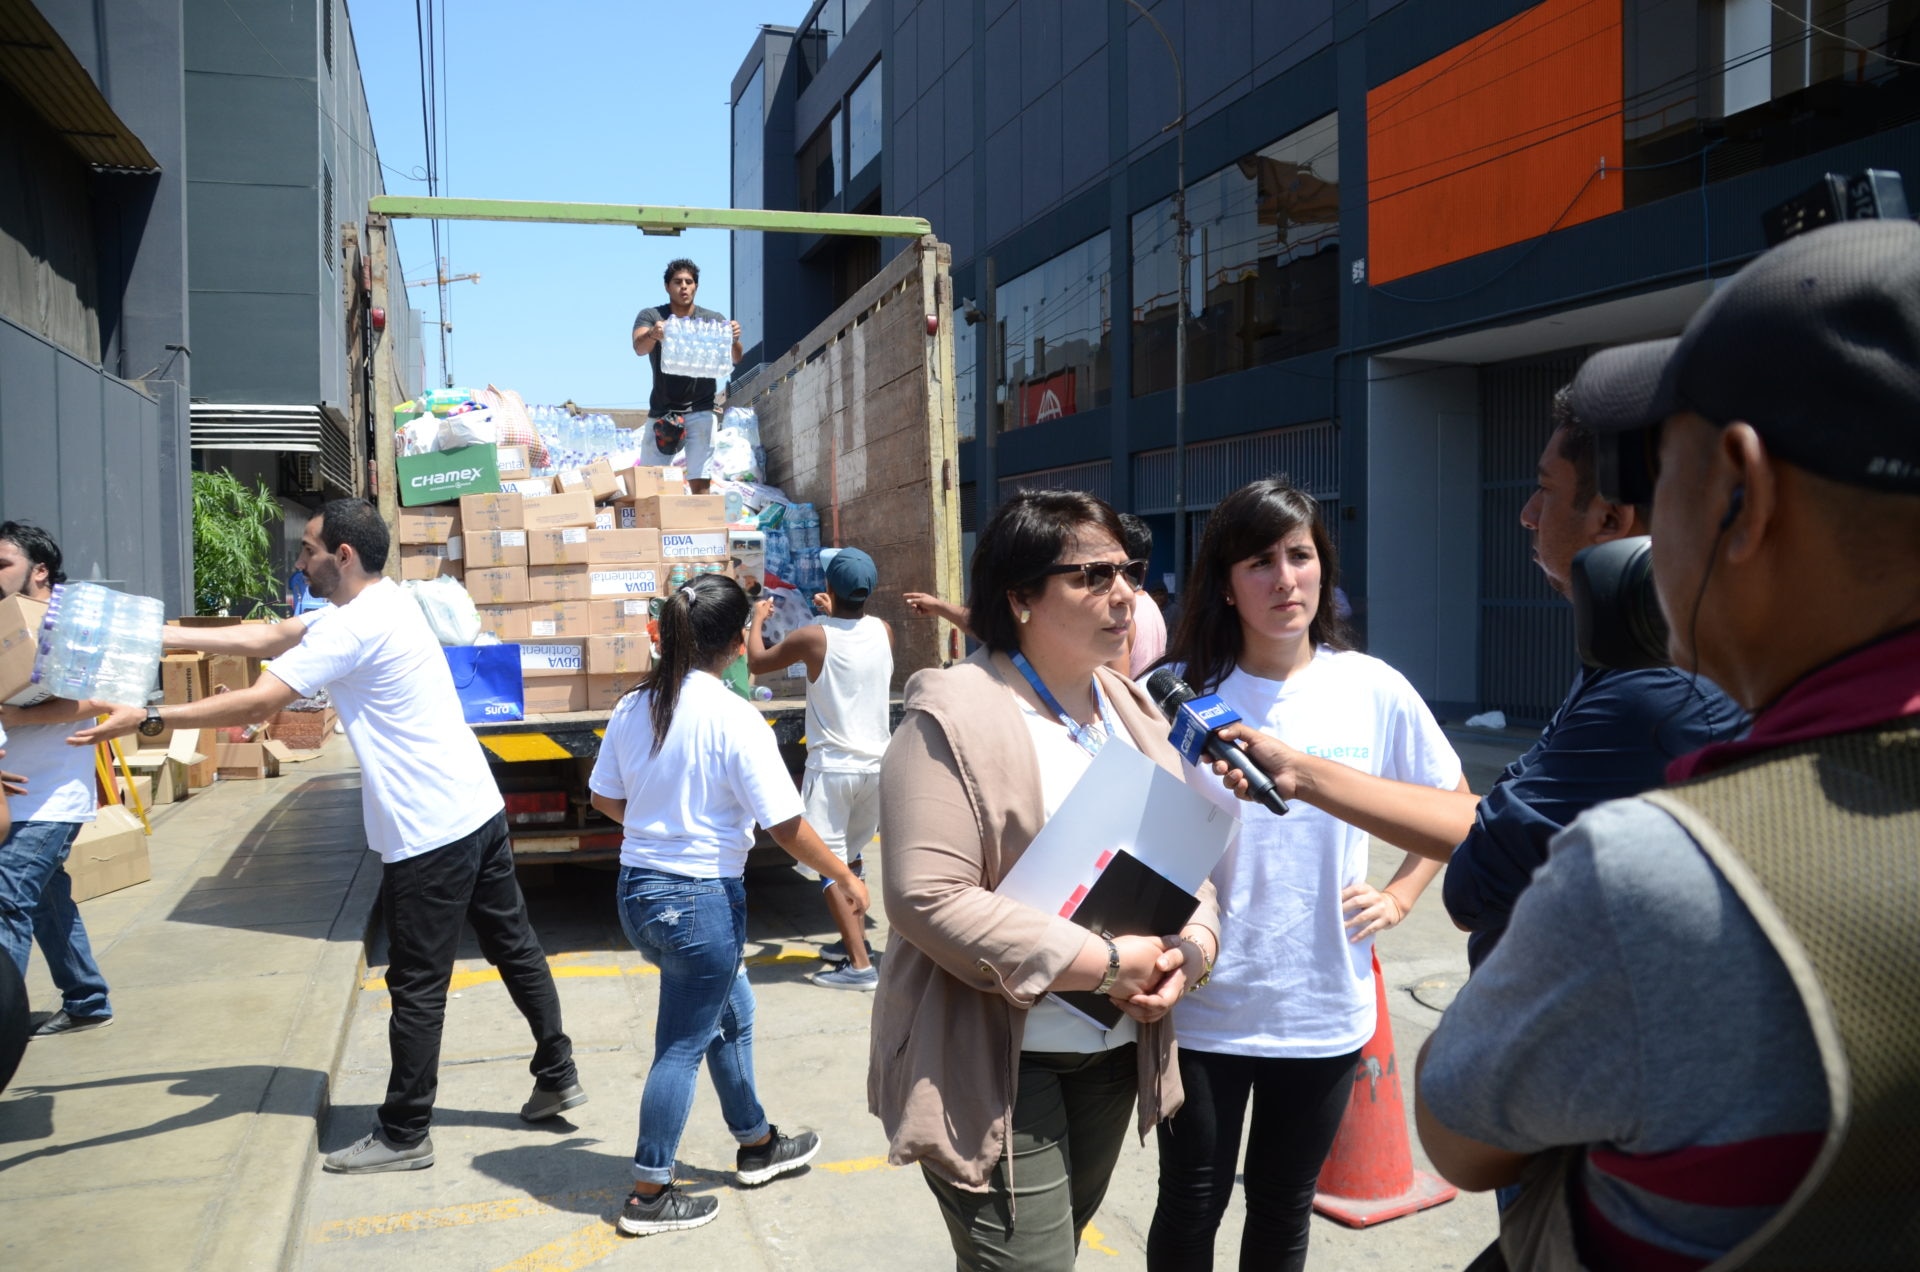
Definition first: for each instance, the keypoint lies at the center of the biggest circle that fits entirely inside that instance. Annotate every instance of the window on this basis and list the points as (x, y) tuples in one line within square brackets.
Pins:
[(326, 217), (822, 161), (1054, 324), (863, 123), (1263, 277), (749, 191), (819, 38), (326, 31), (966, 385)]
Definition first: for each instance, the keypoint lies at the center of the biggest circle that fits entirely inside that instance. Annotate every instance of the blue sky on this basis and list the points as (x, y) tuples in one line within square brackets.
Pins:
[(588, 101)]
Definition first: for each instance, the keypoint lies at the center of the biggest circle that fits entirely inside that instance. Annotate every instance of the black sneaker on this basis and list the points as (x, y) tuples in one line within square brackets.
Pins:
[(668, 1210), (781, 1155), (543, 1104), (61, 1023)]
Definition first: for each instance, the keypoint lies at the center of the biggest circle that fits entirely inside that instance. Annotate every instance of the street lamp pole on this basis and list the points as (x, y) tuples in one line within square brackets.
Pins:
[(1184, 255)]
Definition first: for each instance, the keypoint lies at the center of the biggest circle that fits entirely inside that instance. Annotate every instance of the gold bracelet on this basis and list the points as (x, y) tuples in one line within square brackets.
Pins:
[(1206, 972), (1113, 968)]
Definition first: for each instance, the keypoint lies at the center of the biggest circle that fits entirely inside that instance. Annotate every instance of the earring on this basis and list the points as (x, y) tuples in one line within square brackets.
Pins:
[(1025, 615)]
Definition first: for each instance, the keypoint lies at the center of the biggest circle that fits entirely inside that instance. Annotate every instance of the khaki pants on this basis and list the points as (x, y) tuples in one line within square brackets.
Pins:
[(1070, 1118)]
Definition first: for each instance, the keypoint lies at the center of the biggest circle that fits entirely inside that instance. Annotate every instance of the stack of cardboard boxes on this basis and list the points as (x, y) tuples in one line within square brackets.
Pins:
[(566, 567)]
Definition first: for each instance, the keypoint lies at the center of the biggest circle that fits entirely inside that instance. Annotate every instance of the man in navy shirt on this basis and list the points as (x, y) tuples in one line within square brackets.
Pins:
[(1612, 737)]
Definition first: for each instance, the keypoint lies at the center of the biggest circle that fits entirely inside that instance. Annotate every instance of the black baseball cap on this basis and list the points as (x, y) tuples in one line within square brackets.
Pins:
[(1815, 343)]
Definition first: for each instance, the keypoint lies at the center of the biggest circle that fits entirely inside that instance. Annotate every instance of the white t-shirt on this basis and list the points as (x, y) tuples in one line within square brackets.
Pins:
[(1051, 1027), (60, 778), (692, 807), (424, 781), (1288, 982)]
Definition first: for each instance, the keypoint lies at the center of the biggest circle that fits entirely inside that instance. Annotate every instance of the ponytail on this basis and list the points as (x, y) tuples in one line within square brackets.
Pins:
[(700, 623)]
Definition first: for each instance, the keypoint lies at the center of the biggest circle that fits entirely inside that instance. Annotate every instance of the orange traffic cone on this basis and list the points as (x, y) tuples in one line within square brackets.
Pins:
[(1369, 1176)]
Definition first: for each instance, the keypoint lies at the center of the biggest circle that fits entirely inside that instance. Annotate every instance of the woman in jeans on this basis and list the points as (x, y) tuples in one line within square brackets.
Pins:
[(688, 767), (1282, 1022), (1015, 1108)]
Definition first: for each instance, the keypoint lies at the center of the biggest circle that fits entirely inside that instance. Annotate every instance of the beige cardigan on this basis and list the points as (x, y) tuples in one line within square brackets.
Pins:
[(960, 800)]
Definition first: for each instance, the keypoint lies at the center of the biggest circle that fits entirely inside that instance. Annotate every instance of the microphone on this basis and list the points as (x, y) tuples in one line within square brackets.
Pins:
[(1196, 721)]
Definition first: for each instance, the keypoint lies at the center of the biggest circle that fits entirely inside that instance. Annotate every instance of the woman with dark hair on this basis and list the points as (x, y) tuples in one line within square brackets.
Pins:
[(1282, 1021), (688, 767), (1015, 1107)]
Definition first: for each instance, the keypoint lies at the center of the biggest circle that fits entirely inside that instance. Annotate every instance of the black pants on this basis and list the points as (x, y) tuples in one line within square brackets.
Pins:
[(426, 900), (1297, 1107)]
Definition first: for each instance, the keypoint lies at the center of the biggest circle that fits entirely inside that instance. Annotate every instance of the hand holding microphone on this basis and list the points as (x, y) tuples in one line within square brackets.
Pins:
[(1197, 724)]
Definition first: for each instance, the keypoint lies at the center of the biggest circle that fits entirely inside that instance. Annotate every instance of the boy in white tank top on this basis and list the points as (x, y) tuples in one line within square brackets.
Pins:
[(849, 661)]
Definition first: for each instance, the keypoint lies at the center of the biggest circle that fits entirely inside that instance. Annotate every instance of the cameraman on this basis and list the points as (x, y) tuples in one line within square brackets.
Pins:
[(1651, 1049)]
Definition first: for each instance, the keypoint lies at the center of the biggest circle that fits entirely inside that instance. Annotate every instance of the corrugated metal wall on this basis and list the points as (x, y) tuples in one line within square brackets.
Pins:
[(80, 454), (1306, 454), (1527, 658), (1096, 479)]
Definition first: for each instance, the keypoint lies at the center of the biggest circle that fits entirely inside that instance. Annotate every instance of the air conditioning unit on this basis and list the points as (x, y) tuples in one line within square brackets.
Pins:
[(302, 473)]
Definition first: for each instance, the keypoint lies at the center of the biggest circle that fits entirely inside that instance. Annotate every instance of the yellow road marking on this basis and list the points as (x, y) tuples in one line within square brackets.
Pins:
[(456, 1216), (855, 1166), (564, 969), (575, 1250), (516, 748), (1095, 1239)]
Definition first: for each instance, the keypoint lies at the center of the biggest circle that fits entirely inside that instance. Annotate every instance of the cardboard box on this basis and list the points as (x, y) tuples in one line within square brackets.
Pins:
[(529, 487), (703, 545), (489, 549), (432, 560), (552, 695), (626, 580), (566, 620), (624, 616), (138, 791), (498, 585), (542, 658), (626, 655), (566, 546), (443, 476), (606, 519), (623, 547), (747, 559), (676, 512), (546, 583), (515, 464), (231, 672), (640, 482), (492, 512), (596, 479), (505, 623), (185, 747), (557, 511), (109, 854), (167, 777), (604, 692), (20, 621), (428, 525), (185, 678), (252, 761)]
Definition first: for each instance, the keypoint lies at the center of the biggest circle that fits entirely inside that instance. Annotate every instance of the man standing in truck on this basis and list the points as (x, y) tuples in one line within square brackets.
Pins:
[(680, 411)]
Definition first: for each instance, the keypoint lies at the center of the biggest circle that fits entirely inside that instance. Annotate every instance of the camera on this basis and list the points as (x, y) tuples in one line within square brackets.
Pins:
[(1617, 621)]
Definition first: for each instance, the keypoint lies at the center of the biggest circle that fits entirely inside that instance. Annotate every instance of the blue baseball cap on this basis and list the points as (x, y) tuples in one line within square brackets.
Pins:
[(851, 575)]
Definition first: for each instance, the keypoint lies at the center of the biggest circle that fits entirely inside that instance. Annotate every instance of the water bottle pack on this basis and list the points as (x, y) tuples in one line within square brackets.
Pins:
[(99, 643), (573, 440), (698, 347)]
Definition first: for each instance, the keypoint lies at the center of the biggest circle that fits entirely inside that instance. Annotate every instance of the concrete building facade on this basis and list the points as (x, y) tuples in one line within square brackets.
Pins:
[(1408, 222)]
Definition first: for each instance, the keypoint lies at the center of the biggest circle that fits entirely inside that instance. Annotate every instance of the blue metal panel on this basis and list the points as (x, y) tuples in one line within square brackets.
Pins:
[(82, 446), (29, 419)]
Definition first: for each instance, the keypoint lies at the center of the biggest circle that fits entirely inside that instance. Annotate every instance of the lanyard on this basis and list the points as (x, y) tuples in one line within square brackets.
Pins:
[(1088, 737)]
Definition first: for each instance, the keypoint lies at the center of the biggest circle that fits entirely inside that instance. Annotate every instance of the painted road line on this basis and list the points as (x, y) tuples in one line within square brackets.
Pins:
[(1096, 1240), (460, 1216), (575, 1250)]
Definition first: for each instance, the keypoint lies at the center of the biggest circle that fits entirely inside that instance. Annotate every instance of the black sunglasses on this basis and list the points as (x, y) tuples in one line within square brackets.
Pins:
[(1099, 575)]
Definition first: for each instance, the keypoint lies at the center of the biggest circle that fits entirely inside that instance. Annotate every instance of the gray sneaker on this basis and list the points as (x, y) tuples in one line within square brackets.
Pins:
[(372, 1154), (846, 976), (543, 1104)]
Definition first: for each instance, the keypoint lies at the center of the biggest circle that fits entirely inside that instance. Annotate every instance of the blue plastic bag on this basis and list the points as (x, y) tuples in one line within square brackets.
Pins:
[(487, 678)]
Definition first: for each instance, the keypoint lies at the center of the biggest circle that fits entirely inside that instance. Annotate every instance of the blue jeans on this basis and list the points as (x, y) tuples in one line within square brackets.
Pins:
[(36, 903), (695, 930)]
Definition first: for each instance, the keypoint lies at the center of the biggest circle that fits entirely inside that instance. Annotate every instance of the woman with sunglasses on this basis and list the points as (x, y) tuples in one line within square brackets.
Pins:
[(1281, 1023), (1015, 1107), (687, 767)]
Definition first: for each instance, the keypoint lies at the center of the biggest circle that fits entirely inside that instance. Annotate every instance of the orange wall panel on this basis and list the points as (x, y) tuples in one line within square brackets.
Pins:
[(1497, 140)]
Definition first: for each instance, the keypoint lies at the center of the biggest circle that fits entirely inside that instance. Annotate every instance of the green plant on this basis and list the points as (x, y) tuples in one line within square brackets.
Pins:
[(232, 551)]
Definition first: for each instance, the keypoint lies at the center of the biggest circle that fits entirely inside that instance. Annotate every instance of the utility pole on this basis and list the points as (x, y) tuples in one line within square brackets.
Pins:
[(379, 238), (1184, 252)]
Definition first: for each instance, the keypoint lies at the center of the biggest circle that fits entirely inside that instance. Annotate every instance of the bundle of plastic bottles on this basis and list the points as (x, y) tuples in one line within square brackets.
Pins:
[(573, 440), (99, 643), (699, 347)]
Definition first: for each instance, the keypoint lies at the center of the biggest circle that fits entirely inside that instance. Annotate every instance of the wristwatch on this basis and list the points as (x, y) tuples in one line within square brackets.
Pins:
[(153, 726), (1113, 968)]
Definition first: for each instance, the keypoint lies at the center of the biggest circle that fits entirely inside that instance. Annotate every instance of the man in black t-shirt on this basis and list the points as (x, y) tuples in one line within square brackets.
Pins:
[(680, 412)]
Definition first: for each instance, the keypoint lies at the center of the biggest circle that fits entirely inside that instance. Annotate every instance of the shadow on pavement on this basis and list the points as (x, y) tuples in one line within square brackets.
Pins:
[(348, 1122), (230, 1091), (585, 1181)]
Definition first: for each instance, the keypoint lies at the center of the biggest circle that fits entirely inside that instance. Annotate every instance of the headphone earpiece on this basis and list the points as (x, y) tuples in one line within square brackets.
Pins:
[(1735, 502)]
